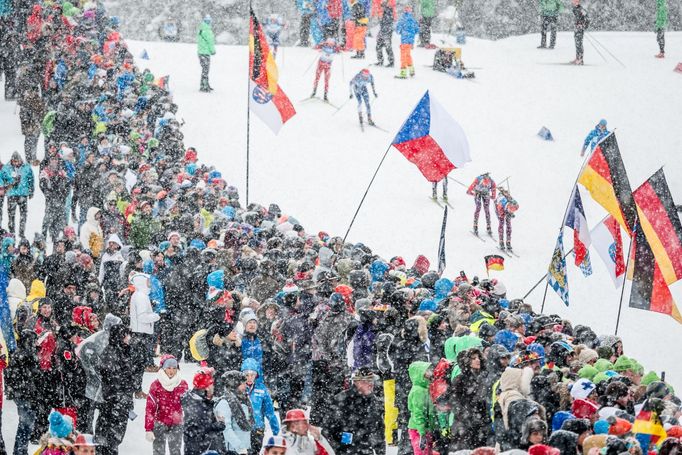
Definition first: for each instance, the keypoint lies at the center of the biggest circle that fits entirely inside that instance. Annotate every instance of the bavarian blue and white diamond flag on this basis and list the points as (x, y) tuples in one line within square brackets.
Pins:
[(557, 277)]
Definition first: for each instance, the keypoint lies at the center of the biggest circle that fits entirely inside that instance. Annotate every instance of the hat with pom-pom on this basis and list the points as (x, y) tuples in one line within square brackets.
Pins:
[(61, 426)]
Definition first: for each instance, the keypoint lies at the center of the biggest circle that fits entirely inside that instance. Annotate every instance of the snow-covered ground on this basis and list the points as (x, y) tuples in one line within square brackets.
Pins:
[(320, 164)]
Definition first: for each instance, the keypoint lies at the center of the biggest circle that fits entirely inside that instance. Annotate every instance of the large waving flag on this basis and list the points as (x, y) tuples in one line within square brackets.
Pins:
[(607, 240), (648, 428), (432, 140), (575, 219), (605, 178), (267, 100), (557, 277)]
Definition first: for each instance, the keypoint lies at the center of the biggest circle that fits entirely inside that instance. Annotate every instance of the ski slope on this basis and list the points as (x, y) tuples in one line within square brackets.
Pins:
[(321, 163)]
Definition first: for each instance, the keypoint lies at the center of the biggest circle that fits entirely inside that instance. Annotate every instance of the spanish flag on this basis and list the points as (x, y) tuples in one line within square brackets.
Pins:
[(605, 179), (266, 98), (648, 428), (494, 262)]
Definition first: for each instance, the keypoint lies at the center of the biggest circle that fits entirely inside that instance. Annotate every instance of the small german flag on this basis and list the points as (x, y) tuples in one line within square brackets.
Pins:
[(494, 262)]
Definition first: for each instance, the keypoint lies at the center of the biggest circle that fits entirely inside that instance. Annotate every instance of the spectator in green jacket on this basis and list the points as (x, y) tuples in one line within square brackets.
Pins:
[(661, 24), (549, 11), (428, 12), (144, 228), (205, 49)]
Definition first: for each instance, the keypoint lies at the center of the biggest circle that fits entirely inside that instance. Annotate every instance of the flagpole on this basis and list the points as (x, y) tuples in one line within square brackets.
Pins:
[(625, 275), (248, 110)]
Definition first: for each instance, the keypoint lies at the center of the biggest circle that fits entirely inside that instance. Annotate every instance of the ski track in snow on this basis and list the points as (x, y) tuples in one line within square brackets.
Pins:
[(319, 166)]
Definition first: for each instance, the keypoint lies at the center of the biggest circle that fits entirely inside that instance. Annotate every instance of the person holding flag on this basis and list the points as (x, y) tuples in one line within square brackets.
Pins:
[(505, 207), (483, 188), (597, 134), (205, 49), (358, 87)]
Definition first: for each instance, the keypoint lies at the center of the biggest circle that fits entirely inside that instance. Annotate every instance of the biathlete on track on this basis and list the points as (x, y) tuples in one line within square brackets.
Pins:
[(358, 87), (483, 189), (328, 48), (505, 207)]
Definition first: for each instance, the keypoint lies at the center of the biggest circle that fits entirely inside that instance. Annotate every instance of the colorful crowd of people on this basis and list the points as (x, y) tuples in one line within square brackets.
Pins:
[(308, 344)]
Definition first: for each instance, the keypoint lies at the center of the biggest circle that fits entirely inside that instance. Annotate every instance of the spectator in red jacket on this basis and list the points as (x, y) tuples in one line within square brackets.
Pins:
[(163, 414)]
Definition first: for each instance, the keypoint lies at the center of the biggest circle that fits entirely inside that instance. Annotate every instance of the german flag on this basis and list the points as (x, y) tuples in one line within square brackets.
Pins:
[(494, 262), (649, 290), (605, 178), (648, 428), (660, 222)]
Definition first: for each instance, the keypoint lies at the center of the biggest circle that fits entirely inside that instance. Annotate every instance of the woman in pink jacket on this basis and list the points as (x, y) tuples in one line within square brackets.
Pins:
[(163, 413)]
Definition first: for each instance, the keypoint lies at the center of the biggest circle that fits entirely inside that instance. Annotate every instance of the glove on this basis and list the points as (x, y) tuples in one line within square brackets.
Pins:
[(350, 97), (149, 436), (445, 432)]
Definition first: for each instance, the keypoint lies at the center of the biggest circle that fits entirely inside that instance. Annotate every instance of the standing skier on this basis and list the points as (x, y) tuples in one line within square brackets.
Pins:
[(661, 24), (272, 26), (483, 188), (205, 49), (549, 10), (407, 28), (445, 189), (358, 87), (581, 24), (385, 37), (597, 134), (324, 65), (505, 206)]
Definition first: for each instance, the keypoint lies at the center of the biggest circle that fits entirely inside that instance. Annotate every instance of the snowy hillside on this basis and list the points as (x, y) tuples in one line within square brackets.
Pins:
[(319, 166)]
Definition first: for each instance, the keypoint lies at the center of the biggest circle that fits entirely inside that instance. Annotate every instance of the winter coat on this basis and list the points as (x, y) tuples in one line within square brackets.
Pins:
[(359, 15), (296, 335), (581, 19), (117, 369), (205, 40), (455, 345), (261, 401), (386, 22), (236, 438), (143, 230), (422, 411), (19, 181), (550, 8), (72, 384), (306, 445), (407, 27), (362, 417), (263, 287), (91, 235), (329, 338), (252, 348), (22, 369), (142, 316), (90, 353), (84, 189), (31, 113), (164, 401), (594, 136), (54, 184), (661, 14), (469, 405), (428, 8), (514, 385), (24, 272), (202, 430)]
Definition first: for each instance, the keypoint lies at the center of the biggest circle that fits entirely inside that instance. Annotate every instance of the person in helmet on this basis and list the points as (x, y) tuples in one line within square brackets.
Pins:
[(505, 207), (483, 189), (328, 48), (273, 26), (358, 87)]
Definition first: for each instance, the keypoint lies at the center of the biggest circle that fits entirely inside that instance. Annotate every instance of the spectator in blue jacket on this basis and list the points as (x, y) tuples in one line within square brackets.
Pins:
[(251, 345), (597, 134), (407, 27), (261, 402), (156, 294), (18, 181)]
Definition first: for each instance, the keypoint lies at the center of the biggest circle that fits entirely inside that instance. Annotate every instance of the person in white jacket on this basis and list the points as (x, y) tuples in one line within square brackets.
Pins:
[(91, 234), (142, 319)]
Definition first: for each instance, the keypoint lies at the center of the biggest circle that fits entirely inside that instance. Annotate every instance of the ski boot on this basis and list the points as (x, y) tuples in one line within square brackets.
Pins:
[(325, 98), (314, 93), (403, 74), (660, 55), (509, 247), (501, 245), (411, 69), (489, 231), (362, 122), (445, 198), (475, 229), (370, 122)]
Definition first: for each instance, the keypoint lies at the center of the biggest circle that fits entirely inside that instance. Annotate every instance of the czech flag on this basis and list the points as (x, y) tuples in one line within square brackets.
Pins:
[(266, 98), (432, 140), (607, 240), (575, 219)]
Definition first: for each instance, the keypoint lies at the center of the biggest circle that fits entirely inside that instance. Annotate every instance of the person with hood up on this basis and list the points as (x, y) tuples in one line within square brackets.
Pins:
[(469, 403), (18, 180), (329, 355), (261, 403), (117, 389), (565, 441), (202, 430), (90, 352), (91, 234), (163, 420), (514, 385), (16, 296), (142, 319), (23, 266), (422, 423), (234, 408), (458, 344), (205, 49)]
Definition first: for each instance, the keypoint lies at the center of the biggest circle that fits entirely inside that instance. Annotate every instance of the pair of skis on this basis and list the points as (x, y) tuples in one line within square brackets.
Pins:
[(441, 202), (338, 108), (507, 252)]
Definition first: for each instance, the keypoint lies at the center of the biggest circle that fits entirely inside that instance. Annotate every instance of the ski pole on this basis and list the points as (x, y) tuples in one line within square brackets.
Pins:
[(341, 107), (309, 66), (596, 48), (457, 181), (606, 49)]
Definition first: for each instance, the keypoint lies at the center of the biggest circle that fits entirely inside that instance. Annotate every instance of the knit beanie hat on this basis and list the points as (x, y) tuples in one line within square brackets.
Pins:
[(588, 372), (61, 426)]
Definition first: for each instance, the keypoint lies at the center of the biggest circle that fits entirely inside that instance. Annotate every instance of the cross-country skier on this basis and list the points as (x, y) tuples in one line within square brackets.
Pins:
[(445, 189), (483, 188), (324, 65), (581, 24), (272, 26), (358, 87), (597, 134), (505, 207)]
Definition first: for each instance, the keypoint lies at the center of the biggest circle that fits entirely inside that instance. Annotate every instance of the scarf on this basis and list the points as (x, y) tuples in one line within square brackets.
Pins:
[(244, 422), (168, 384)]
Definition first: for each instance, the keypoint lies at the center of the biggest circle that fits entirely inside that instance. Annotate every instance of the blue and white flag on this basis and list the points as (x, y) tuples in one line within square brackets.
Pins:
[(557, 277)]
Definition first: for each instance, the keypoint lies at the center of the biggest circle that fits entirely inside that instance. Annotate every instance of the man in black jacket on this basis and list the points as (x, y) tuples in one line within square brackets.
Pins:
[(581, 24), (356, 423), (384, 40)]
